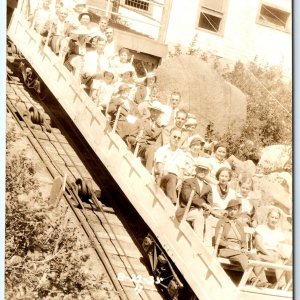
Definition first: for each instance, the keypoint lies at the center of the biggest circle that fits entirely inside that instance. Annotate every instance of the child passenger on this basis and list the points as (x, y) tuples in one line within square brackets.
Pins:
[(245, 186), (103, 88), (233, 244), (121, 61)]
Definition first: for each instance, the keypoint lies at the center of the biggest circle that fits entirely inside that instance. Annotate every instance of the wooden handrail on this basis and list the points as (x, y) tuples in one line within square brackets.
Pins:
[(188, 205), (256, 263)]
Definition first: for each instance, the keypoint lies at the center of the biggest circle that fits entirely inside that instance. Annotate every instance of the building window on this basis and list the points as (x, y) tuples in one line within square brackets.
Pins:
[(212, 15), (274, 17), (139, 4)]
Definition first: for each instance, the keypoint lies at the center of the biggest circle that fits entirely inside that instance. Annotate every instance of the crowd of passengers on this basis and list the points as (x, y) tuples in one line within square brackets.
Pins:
[(164, 136)]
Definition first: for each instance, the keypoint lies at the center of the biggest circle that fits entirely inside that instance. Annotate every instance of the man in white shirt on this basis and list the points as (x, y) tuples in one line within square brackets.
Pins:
[(169, 163), (110, 48), (168, 117), (93, 62), (180, 120), (101, 28)]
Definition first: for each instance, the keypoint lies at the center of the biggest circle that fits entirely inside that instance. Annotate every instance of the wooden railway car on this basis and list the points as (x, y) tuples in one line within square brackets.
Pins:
[(171, 242)]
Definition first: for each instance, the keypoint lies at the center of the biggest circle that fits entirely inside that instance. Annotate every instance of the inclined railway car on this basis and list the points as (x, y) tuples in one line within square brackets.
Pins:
[(173, 249)]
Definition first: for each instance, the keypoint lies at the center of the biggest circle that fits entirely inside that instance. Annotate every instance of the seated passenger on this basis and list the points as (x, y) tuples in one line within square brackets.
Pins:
[(100, 30), (201, 202), (245, 186), (218, 160), (94, 62), (180, 120), (77, 50), (190, 127), (84, 19), (110, 49), (268, 236), (60, 31), (128, 114), (93, 43), (42, 17), (121, 61), (221, 195), (145, 90), (233, 242), (103, 88), (169, 163), (73, 17), (126, 76), (193, 156), (168, 118), (149, 141)]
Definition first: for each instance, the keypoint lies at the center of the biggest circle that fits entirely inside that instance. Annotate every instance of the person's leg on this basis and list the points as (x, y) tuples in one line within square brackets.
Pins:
[(257, 270), (210, 226), (149, 157), (195, 215), (171, 187)]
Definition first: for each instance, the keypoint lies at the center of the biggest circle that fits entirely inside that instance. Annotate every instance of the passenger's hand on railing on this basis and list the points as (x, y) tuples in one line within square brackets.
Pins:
[(206, 206), (206, 209)]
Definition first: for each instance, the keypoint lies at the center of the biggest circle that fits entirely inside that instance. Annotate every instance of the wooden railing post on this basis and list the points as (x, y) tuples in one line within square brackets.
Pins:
[(187, 208)]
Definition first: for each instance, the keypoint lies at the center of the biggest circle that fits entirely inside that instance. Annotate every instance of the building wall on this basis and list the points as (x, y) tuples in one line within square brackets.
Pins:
[(243, 38)]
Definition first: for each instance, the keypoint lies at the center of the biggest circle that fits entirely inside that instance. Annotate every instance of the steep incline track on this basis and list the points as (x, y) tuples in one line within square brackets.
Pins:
[(111, 237)]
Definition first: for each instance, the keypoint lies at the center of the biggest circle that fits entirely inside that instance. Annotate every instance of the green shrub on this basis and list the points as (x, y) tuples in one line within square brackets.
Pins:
[(269, 108)]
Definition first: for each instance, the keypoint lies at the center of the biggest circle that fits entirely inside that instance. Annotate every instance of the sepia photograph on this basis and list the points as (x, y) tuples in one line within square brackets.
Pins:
[(149, 150)]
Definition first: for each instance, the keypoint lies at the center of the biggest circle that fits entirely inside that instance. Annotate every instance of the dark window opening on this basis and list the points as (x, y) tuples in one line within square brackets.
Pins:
[(273, 17), (138, 4), (209, 22)]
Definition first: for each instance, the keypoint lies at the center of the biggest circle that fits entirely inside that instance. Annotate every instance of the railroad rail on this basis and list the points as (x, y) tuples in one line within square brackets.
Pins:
[(179, 243), (112, 243)]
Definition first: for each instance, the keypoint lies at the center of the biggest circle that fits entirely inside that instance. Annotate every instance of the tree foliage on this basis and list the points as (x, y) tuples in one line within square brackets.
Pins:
[(269, 108)]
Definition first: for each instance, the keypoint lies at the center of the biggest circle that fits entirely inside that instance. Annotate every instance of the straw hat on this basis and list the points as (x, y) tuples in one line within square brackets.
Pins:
[(127, 68), (111, 71), (156, 105)]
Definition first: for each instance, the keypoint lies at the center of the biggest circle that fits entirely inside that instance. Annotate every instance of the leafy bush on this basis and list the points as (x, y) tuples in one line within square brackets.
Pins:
[(269, 108)]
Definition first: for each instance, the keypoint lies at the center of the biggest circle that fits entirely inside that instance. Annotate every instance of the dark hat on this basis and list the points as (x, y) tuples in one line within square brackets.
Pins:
[(234, 202), (84, 12)]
